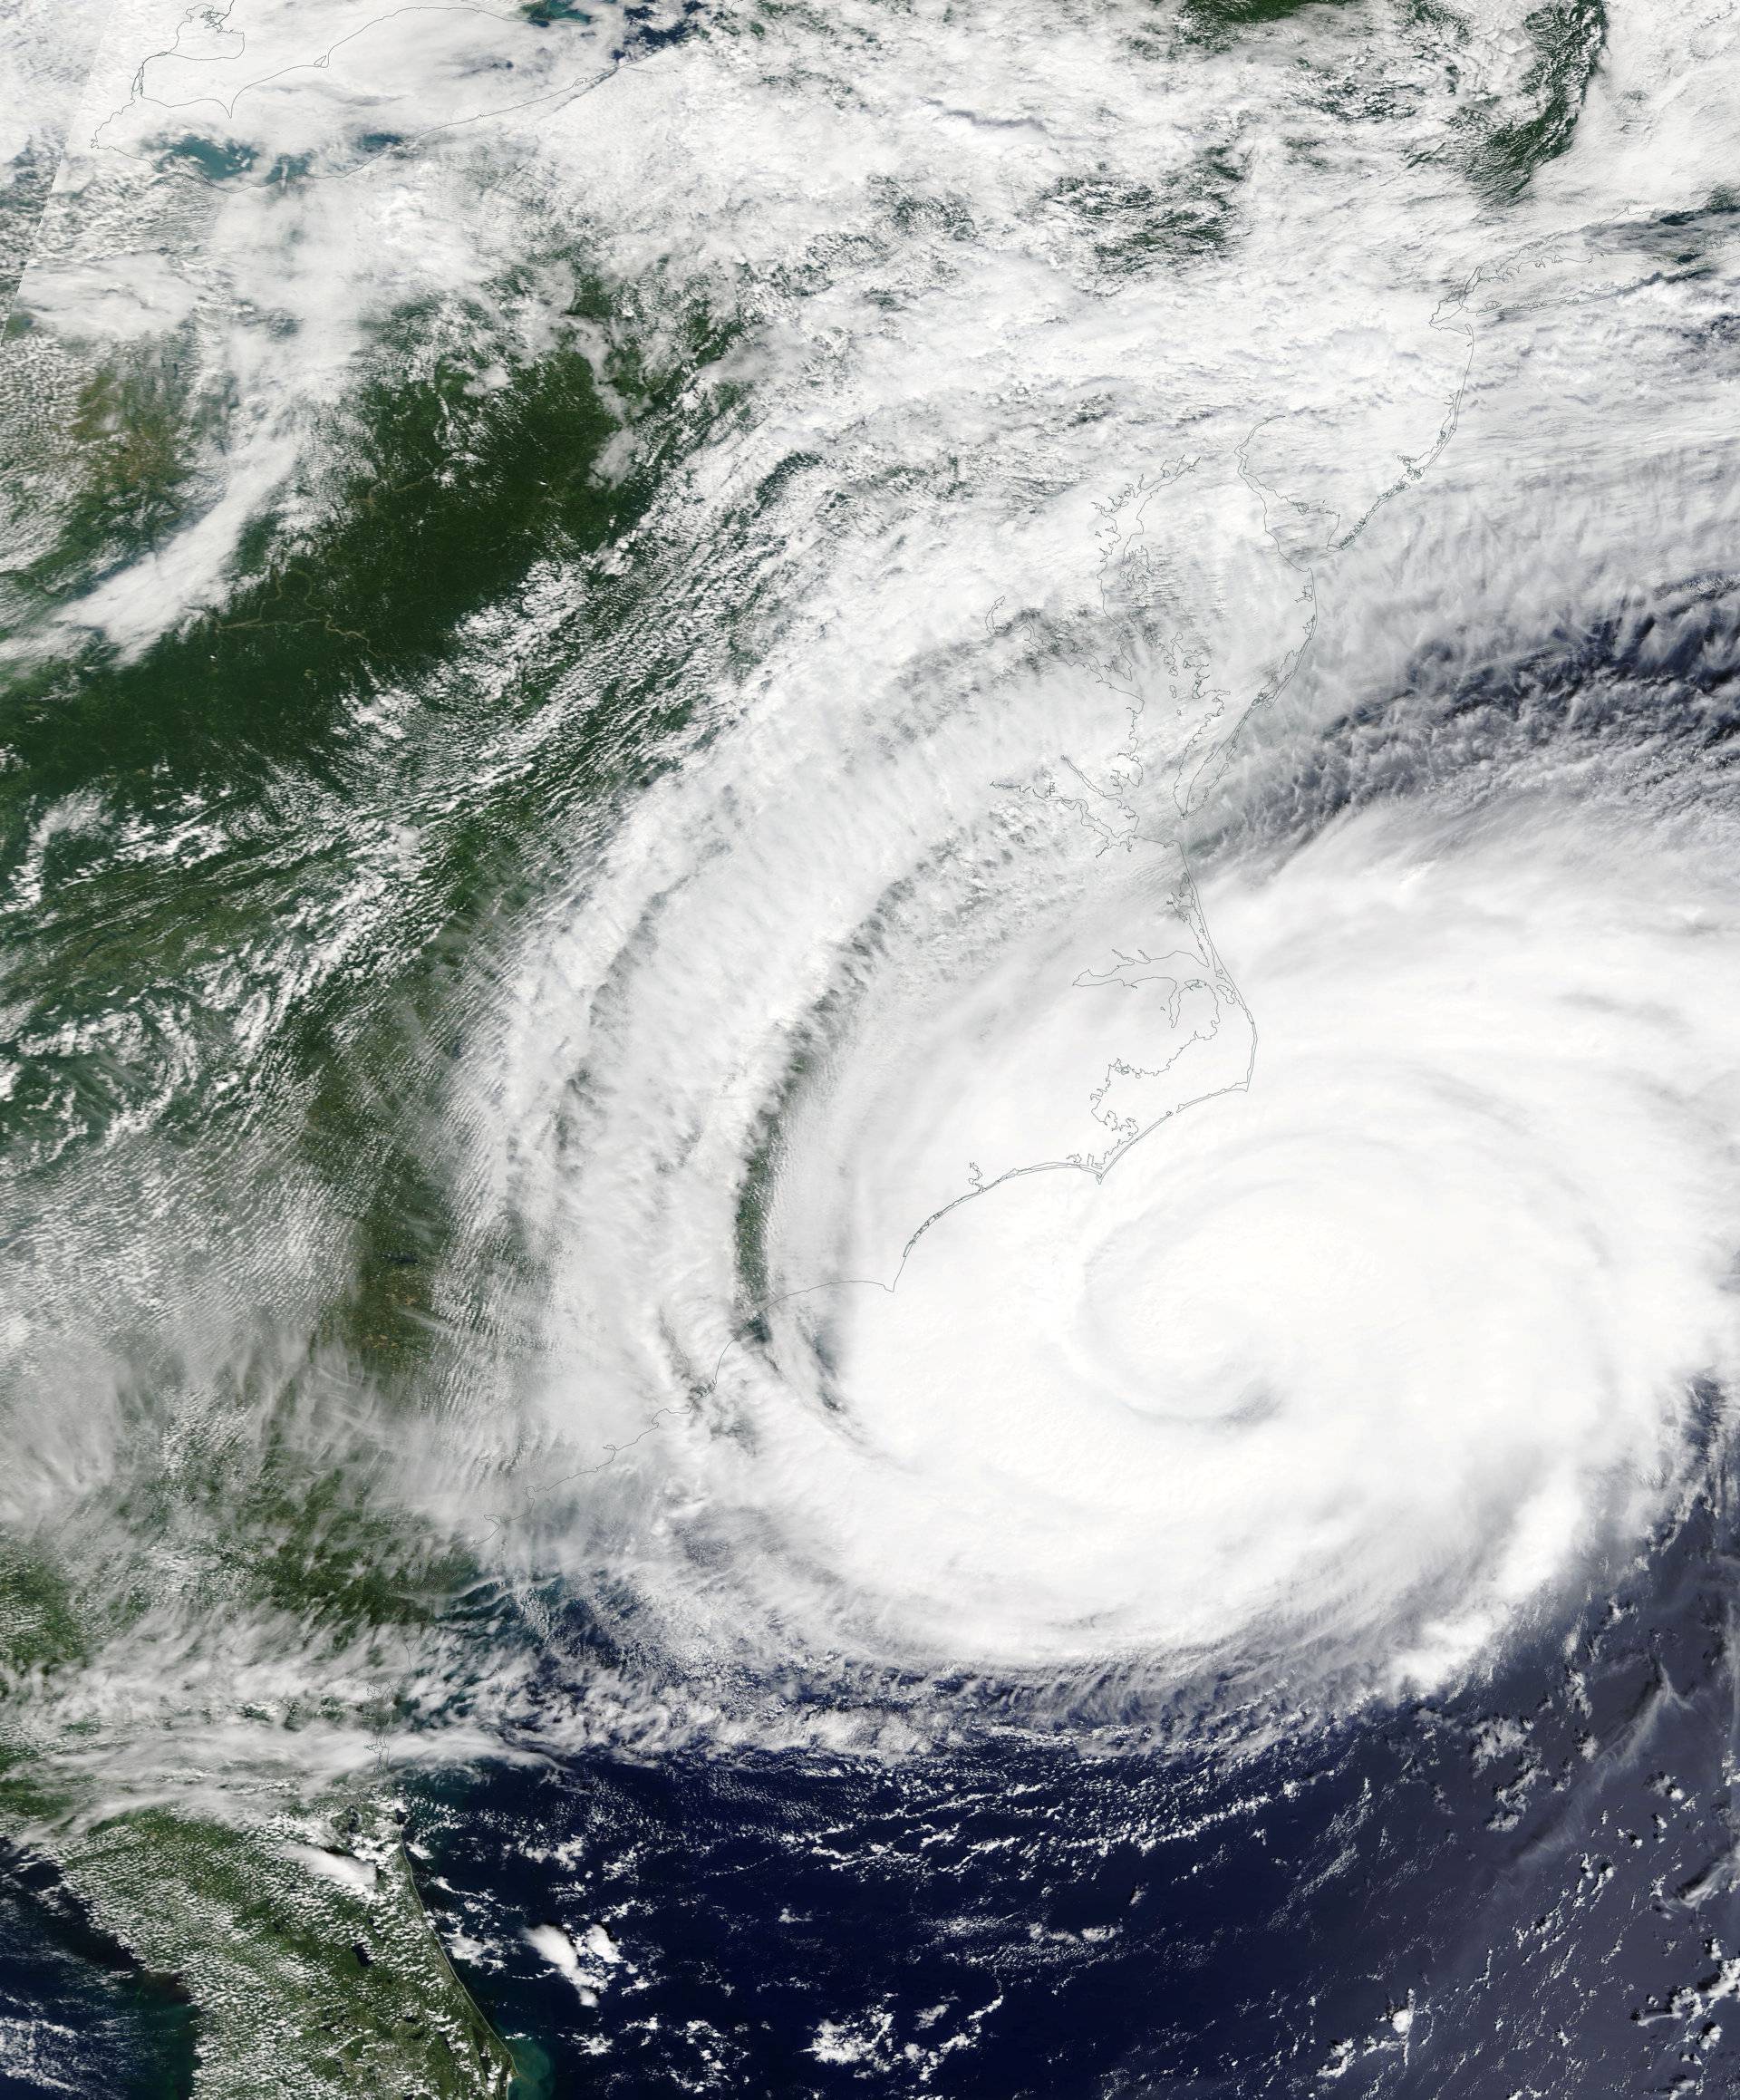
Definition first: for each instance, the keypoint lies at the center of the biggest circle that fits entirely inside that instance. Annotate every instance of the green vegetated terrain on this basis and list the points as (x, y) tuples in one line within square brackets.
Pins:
[(1133, 226), (250, 873), (186, 830), (310, 1968), (1506, 141), (1502, 133)]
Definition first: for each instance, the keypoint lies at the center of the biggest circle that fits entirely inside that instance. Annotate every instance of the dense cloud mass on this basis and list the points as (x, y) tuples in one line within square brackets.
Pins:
[(1327, 1380), (870, 885)]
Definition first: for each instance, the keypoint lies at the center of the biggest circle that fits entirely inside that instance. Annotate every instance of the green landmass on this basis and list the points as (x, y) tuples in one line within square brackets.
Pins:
[(154, 984)]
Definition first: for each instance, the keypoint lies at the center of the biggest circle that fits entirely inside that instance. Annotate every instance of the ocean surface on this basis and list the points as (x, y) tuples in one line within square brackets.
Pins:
[(869, 1049)]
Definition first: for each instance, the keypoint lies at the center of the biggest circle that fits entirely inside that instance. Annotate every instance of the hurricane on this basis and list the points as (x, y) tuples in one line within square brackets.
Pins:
[(871, 1050), (1337, 1364)]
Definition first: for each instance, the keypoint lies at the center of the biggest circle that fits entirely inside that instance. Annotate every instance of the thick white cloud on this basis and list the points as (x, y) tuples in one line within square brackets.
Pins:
[(1098, 394)]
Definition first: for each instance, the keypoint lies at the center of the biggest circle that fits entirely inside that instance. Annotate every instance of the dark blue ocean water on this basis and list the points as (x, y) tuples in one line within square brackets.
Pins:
[(1527, 1890), (76, 2015), (1531, 1889)]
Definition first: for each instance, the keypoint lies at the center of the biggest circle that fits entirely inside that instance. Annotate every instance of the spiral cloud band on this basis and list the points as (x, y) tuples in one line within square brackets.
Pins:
[(1379, 1314), (872, 1044), (1022, 1186)]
